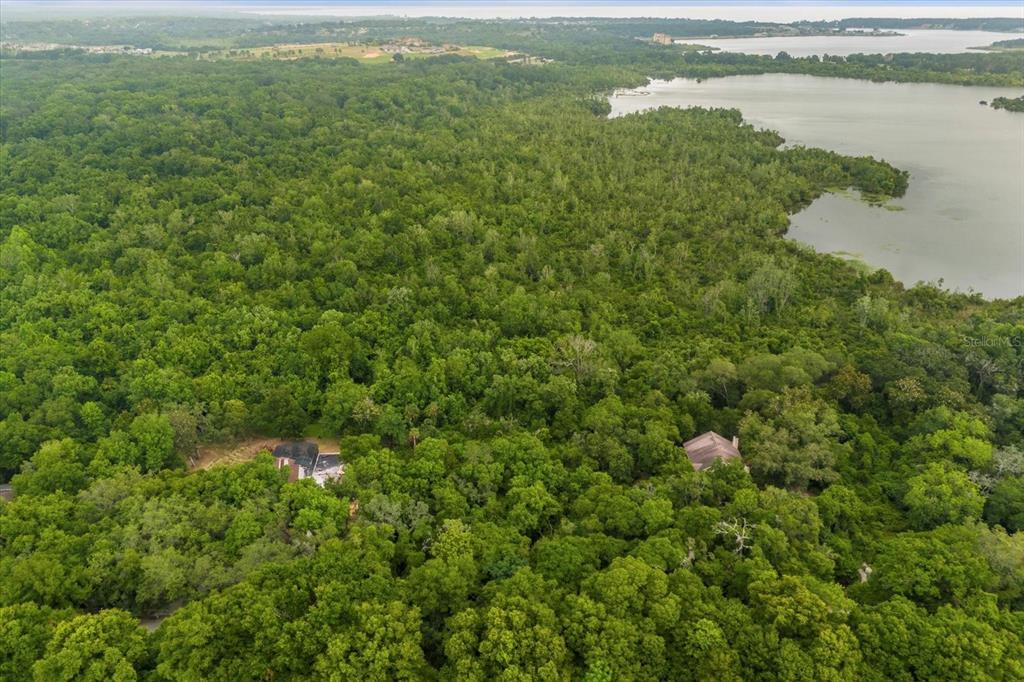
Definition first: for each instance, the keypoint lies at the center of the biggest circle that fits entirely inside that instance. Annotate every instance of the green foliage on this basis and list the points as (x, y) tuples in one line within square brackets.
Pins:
[(792, 442), (942, 494), (1005, 504), (56, 467), (384, 645), (228, 637), (901, 641), (1009, 103), (25, 630), (514, 312), (140, 543), (109, 645)]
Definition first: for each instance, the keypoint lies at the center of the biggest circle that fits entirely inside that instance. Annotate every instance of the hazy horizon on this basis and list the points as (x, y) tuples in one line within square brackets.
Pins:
[(701, 9)]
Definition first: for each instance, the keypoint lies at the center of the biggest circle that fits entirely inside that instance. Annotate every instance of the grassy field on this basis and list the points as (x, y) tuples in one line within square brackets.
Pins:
[(364, 53)]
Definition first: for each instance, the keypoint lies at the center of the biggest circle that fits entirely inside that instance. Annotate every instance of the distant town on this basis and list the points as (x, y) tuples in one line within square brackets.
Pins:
[(89, 49)]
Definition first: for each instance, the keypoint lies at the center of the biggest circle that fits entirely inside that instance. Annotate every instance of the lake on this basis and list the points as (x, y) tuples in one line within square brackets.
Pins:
[(963, 216), (937, 41)]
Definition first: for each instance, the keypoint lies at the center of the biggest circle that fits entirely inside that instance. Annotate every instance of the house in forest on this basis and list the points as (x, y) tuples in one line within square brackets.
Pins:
[(708, 448), (327, 467), (290, 465), (303, 459), (661, 39)]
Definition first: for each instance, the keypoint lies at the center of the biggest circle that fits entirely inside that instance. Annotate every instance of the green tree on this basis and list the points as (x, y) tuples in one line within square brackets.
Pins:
[(281, 414), (154, 435), (1005, 504), (56, 467), (25, 630), (795, 446), (942, 494), (228, 636), (931, 568), (384, 645), (109, 645)]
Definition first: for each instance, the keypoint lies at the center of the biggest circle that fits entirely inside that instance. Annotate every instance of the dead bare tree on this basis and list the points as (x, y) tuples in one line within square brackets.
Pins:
[(577, 353), (741, 533)]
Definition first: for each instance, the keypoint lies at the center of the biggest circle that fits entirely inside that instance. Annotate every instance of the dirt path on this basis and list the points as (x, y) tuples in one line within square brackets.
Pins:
[(242, 451)]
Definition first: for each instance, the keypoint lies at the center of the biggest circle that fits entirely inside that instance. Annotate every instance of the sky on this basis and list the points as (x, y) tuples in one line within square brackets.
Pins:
[(779, 10)]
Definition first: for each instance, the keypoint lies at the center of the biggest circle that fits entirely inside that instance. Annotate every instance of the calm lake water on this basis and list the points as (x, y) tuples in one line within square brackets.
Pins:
[(912, 41), (963, 216)]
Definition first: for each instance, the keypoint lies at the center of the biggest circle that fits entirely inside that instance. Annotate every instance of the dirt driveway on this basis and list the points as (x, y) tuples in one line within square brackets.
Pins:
[(242, 451)]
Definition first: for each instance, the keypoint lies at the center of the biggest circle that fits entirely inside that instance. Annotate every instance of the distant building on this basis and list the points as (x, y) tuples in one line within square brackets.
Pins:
[(303, 459), (661, 39), (708, 448), (6, 492)]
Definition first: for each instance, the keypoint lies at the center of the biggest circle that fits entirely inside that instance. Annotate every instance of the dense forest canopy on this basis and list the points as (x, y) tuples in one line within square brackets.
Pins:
[(513, 311)]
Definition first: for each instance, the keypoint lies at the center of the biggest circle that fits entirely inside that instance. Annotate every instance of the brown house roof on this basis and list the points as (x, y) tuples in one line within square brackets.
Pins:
[(286, 463), (707, 448)]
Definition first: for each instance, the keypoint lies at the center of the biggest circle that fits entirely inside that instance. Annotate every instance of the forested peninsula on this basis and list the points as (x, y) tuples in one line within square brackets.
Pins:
[(1009, 103), (511, 312), (1013, 45)]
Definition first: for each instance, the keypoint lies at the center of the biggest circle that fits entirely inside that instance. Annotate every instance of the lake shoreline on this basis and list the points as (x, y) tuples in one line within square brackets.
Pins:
[(957, 226)]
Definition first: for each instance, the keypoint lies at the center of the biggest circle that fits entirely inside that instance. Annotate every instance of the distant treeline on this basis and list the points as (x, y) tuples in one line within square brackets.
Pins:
[(1013, 44), (1003, 24), (183, 33), (585, 42), (159, 33)]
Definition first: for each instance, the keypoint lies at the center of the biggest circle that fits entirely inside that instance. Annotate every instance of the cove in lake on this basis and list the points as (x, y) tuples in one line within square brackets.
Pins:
[(962, 219)]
